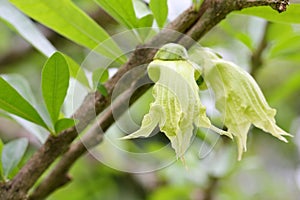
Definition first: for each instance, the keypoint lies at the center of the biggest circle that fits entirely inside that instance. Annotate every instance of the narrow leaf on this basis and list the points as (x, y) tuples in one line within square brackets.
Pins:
[(55, 83), (66, 18), (286, 31), (286, 47), (22, 86), (266, 12), (120, 10), (25, 27), (144, 17), (63, 124), (102, 89), (77, 72), (145, 21), (160, 11), (239, 35), (12, 154), (12, 102), (141, 9), (100, 75)]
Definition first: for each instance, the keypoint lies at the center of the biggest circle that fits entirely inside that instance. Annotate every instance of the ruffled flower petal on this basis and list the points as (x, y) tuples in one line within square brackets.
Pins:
[(238, 98), (176, 94)]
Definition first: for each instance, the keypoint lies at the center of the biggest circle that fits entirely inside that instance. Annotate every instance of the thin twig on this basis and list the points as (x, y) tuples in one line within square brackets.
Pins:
[(257, 55)]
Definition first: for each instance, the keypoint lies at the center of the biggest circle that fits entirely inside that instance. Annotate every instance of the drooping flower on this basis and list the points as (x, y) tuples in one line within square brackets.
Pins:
[(238, 98), (177, 106)]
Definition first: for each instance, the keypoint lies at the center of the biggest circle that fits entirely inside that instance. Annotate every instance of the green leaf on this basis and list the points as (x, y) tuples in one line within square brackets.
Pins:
[(144, 20), (102, 89), (160, 11), (239, 35), (286, 47), (120, 10), (245, 39), (286, 31), (12, 102), (1, 168), (197, 4), (12, 154), (290, 16), (100, 75), (22, 86), (25, 27), (286, 89), (77, 72), (132, 14), (66, 18), (64, 123), (55, 83)]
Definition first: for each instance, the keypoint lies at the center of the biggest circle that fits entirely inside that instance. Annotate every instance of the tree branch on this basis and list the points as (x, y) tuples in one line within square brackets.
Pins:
[(216, 10), (195, 24), (93, 137), (256, 57), (93, 104)]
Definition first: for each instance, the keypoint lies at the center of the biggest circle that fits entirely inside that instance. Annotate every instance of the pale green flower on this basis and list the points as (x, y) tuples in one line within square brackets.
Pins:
[(238, 98), (177, 106)]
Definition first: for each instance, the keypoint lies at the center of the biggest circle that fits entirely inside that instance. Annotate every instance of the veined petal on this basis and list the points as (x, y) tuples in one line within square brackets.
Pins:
[(239, 98), (181, 141), (176, 94), (150, 121), (271, 127)]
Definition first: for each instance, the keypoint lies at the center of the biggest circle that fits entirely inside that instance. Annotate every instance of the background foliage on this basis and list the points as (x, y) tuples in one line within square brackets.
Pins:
[(269, 50)]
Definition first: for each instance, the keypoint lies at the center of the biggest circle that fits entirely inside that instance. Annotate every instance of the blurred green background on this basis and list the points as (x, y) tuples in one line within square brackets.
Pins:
[(268, 170)]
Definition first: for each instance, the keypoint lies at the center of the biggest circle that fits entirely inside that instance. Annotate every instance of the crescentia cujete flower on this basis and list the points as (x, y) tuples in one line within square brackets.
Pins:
[(238, 98), (177, 106)]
